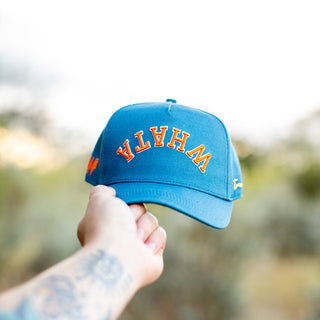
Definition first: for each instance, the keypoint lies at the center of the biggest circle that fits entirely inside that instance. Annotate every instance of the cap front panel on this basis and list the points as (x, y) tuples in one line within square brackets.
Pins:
[(166, 143)]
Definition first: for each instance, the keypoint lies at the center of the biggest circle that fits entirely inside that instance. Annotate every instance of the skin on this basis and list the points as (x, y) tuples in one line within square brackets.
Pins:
[(122, 251)]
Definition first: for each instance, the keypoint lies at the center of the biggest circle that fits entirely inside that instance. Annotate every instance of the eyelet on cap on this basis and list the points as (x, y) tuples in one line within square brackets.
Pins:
[(171, 100)]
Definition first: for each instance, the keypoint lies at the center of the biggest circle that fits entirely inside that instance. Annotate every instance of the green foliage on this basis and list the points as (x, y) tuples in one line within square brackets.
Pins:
[(39, 216), (307, 181)]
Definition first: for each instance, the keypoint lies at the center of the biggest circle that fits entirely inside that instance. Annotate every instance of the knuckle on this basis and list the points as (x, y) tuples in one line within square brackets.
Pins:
[(153, 218), (163, 232), (102, 191), (95, 190)]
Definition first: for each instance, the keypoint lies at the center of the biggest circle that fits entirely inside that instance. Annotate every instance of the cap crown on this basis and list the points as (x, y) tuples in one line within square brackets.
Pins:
[(170, 144)]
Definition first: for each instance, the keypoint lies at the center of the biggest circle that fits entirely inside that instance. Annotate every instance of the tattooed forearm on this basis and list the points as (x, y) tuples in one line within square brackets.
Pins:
[(23, 311), (98, 278), (105, 270), (53, 298), (57, 295), (101, 267)]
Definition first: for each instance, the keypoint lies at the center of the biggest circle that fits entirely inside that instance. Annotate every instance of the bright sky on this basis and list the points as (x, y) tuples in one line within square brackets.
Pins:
[(254, 64)]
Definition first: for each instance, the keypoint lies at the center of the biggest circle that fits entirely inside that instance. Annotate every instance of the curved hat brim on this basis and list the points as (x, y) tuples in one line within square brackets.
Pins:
[(208, 209)]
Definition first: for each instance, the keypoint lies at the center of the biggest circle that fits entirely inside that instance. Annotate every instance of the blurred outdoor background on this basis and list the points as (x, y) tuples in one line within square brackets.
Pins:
[(66, 66)]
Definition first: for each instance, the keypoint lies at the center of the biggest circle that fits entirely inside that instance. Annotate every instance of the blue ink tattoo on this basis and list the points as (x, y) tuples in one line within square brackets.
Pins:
[(24, 311), (103, 268), (57, 296)]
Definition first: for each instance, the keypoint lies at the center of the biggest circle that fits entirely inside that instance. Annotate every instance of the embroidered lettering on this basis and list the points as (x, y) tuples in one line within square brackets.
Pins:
[(236, 184), (92, 165), (143, 146), (199, 157), (126, 152), (158, 136), (182, 140), (178, 142)]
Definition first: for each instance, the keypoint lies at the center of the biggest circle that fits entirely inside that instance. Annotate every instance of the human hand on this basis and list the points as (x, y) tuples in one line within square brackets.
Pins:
[(128, 231)]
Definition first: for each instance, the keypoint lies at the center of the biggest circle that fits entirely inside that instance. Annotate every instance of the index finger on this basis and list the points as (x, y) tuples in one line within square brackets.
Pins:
[(108, 191)]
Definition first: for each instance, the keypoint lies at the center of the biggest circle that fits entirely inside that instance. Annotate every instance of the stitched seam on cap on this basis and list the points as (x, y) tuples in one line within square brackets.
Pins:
[(227, 177), (227, 142), (169, 183)]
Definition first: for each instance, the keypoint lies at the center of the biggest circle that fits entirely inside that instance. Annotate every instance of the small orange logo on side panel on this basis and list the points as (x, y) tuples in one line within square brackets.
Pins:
[(92, 165)]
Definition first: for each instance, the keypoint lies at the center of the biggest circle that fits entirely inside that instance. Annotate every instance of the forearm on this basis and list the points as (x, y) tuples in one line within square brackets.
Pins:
[(100, 279), (92, 284)]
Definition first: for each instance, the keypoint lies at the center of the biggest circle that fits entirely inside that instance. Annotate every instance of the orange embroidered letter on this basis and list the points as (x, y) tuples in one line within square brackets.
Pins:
[(141, 142), (181, 140), (199, 157), (159, 136), (92, 165), (126, 152)]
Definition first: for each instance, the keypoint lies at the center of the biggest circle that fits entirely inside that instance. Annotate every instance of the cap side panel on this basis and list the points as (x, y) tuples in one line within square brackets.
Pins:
[(236, 176)]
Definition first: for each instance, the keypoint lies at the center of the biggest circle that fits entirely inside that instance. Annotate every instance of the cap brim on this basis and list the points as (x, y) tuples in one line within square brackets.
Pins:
[(213, 211)]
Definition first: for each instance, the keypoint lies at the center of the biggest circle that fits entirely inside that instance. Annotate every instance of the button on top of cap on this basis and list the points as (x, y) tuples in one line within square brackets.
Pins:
[(171, 100)]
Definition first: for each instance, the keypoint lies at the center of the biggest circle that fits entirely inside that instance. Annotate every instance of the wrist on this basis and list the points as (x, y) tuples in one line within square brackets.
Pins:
[(105, 265)]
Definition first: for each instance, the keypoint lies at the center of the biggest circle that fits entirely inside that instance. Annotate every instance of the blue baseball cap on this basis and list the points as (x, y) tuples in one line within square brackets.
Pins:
[(172, 155)]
